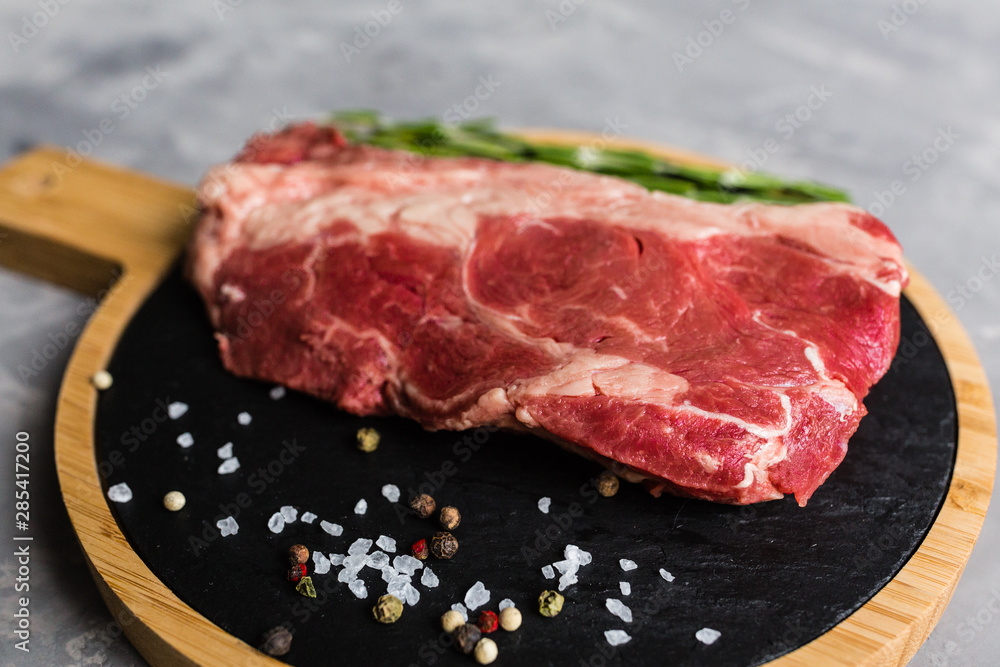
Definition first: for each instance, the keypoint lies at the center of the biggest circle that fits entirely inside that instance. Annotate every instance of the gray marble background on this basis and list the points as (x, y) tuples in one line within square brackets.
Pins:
[(179, 85)]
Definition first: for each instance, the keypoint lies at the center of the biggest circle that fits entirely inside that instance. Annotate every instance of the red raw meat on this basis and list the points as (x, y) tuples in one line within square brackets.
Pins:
[(714, 351)]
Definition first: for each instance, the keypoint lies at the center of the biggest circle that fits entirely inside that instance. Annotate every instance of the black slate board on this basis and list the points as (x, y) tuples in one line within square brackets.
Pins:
[(770, 577)]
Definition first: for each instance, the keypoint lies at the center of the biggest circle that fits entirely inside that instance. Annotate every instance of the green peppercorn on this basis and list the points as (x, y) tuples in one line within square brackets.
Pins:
[(550, 603), (368, 439), (305, 587), (607, 484), (388, 609)]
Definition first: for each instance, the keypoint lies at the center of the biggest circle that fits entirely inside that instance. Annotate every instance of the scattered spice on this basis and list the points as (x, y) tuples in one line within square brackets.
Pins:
[(466, 637), (487, 622), (450, 518), (368, 439), (298, 553), (607, 484), (174, 501), (101, 380), (388, 609), (486, 651), (423, 505), (305, 587), (420, 550), (451, 621), (550, 603), (297, 571), (510, 619), (277, 641), (444, 545)]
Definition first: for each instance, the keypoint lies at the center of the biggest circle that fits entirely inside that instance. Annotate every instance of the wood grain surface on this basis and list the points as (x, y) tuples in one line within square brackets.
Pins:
[(115, 233)]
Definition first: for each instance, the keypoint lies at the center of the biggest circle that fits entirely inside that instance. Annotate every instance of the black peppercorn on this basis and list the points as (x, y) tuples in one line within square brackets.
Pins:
[(450, 518), (444, 545), (298, 553), (423, 505), (466, 637), (277, 641)]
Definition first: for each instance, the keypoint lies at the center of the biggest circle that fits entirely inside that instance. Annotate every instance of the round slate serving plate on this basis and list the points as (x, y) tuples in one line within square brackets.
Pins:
[(858, 576)]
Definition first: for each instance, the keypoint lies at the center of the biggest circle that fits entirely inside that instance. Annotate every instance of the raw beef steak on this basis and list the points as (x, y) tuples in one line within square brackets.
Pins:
[(713, 351)]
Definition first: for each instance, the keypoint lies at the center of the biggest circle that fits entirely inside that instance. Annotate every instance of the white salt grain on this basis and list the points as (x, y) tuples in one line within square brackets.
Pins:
[(288, 513), (617, 637), (378, 560), (244, 418), (358, 588), (227, 526), (460, 608), (618, 608), (576, 554), (430, 580), (506, 602), (548, 572), (226, 451), (229, 465), (707, 635), (544, 504), (354, 562), (336, 559), (276, 523), (389, 573), (407, 564), (185, 440), (361, 507), (334, 529), (567, 580), (398, 584), (176, 409), (476, 596), (359, 547), (277, 393), (386, 543), (627, 564), (666, 575), (120, 493), (626, 587), (322, 563), (412, 595), (391, 492), (346, 576), (308, 517)]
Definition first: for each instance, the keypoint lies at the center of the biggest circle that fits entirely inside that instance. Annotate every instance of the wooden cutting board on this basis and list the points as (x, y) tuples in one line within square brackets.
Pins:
[(115, 234)]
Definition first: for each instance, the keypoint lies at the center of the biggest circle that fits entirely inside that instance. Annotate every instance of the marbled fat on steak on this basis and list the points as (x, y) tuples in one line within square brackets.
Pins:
[(713, 351)]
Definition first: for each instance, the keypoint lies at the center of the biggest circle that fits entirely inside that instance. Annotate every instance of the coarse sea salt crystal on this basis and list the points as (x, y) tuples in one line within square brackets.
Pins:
[(337, 559), (397, 585), (548, 572), (361, 507), (544, 504), (430, 580), (276, 523), (506, 602), (355, 562), (334, 529), (460, 608), (389, 573), (288, 513), (119, 493), (567, 580), (627, 564), (617, 637), (377, 560), (412, 595), (229, 465), (707, 635), (577, 555), (308, 517), (564, 566), (666, 575), (277, 393), (176, 409), (346, 576), (226, 451), (407, 564), (391, 492), (386, 543), (360, 546), (358, 588), (476, 596), (322, 563), (227, 526), (626, 587), (619, 609), (244, 418), (185, 440)]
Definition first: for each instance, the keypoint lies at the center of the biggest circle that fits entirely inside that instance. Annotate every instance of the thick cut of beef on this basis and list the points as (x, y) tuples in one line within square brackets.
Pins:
[(713, 351)]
